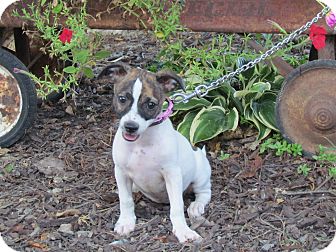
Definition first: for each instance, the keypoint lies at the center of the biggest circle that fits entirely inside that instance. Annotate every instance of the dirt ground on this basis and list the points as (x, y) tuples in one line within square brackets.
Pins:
[(61, 193)]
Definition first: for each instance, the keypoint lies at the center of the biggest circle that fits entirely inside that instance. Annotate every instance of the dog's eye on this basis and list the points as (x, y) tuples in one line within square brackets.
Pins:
[(151, 105), (122, 99)]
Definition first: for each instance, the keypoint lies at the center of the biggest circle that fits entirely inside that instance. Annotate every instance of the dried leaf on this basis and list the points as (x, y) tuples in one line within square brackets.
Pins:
[(3, 151), (69, 110), (68, 212), (254, 166), (38, 245)]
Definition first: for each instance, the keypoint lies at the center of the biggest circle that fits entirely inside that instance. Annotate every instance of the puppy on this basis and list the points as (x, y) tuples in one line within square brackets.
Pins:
[(149, 155)]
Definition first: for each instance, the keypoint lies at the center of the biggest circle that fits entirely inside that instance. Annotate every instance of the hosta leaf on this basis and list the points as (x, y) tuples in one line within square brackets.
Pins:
[(184, 126), (263, 131), (264, 110), (191, 104), (220, 101), (256, 89), (210, 122)]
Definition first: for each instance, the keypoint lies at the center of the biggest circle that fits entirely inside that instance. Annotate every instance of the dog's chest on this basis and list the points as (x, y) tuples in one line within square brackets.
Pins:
[(139, 163)]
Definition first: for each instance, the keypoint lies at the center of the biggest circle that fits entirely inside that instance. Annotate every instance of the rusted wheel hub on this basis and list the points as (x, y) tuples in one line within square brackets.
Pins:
[(306, 105), (17, 99), (320, 114), (10, 101)]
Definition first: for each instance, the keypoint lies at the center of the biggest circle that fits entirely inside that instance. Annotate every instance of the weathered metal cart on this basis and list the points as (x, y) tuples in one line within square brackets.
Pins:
[(306, 107)]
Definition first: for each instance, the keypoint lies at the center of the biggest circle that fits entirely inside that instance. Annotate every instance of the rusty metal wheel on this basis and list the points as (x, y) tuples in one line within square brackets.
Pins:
[(18, 99), (306, 106)]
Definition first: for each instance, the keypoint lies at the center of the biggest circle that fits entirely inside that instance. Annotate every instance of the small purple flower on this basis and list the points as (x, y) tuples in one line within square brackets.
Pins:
[(331, 19)]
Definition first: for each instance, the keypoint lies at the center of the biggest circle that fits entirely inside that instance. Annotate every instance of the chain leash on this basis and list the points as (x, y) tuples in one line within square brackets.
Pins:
[(203, 89)]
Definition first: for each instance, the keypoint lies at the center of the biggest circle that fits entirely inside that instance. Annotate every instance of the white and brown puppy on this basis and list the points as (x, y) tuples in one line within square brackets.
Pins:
[(150, 155)]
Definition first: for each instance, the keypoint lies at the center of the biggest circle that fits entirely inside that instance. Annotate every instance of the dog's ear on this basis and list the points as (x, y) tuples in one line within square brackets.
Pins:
[(115, 70), (169, 80)]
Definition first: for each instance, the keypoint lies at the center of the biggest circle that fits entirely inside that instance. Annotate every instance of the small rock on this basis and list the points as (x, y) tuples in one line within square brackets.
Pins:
[(87, 234), (70, 176), (55, 190), (57, 180), (66, 228), (267, 246), (51, 166)]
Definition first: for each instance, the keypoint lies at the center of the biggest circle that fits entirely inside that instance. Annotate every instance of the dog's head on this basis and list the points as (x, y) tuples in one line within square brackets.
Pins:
[(139, 96)]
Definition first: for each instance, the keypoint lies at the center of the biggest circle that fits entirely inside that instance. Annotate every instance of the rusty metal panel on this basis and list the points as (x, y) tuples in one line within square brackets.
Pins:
[(103, 13), (241, 16), (236, 16)]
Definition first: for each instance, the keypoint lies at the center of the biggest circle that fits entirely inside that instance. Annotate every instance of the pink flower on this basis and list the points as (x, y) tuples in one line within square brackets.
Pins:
[(331, 19), (66, 36)]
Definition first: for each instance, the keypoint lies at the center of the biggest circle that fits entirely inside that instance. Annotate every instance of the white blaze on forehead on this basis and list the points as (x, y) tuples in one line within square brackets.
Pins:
[(136, 94), (133, 114)]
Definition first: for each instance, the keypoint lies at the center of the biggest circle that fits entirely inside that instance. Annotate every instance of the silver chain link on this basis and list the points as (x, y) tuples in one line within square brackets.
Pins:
[(203, 89)]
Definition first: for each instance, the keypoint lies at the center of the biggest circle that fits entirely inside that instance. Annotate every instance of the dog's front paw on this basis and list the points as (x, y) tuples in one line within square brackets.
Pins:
[(186, 234), (195, 210), (124, 226)]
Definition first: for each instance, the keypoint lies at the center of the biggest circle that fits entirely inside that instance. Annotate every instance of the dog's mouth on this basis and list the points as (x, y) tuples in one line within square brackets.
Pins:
[(130, 137)]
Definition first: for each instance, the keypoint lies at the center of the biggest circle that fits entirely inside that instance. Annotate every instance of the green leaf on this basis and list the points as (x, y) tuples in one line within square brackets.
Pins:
[(9, 168), (263, 131), (81, 56), (102, 54), (43, 2), (193, 79), (88, 72), (210, 122), (264, 110), (192, 104), (185, 125), (220, 101), (70, 70), (58, 8), (159, 34), (257, 88)]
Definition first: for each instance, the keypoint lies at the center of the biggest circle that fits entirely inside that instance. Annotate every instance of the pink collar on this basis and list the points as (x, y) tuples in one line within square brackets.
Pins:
[(165, 114)]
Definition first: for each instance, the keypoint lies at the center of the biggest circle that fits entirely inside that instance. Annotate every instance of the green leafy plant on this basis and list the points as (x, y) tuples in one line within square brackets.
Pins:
[(7, 168), (280, 146), (223, 156), (65, 35), (164, 16), (250, 96), (327, 158), (332, 172), (303, 169)]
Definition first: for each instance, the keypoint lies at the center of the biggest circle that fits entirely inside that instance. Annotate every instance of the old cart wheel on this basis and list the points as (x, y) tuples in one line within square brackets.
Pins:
[(18, 100), (306, 105)]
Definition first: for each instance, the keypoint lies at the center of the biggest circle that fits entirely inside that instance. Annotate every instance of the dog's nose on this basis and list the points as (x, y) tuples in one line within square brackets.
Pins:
[(131, 126)]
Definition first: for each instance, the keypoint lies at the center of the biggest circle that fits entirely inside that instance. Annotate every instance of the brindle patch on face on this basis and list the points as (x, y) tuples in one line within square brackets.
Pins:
[(151, 92), (124, 88)]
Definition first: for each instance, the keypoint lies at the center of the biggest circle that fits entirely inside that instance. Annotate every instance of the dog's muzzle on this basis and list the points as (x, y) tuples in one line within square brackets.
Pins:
[(130, 132)]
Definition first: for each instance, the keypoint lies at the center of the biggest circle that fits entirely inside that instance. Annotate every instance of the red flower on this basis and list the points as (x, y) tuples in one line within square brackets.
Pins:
[(318, 36), (66, 35)]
